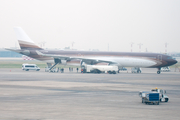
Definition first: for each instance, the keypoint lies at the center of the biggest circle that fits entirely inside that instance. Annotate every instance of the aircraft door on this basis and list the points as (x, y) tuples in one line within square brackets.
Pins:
[(159, 57)]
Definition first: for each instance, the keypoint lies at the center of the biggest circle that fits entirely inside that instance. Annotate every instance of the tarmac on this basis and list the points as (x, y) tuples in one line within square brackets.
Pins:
[(39, 95)]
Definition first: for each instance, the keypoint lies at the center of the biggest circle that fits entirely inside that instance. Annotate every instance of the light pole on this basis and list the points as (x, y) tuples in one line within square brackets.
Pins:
[(72, 45), (140, 46), (166, 48), (131, 46)]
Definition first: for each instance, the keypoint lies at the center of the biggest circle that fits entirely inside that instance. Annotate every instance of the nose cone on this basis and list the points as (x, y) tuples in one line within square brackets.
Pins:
[(172, 62), (175, 61)]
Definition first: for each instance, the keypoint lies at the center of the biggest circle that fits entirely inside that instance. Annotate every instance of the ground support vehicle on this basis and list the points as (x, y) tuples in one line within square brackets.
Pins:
[(149, 97), (165, 69), (136, 70), (122, 69), (99, 69), (28, 67), (163, 97)]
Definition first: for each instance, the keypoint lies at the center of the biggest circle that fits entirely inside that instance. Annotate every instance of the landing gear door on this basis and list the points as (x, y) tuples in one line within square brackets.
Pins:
[(159, 57)]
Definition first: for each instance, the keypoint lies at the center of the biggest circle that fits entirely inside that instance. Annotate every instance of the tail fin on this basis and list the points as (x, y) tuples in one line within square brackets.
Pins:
[(24, 41)]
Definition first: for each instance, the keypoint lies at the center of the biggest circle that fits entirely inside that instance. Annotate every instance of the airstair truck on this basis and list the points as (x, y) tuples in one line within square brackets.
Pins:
[(149, 97)]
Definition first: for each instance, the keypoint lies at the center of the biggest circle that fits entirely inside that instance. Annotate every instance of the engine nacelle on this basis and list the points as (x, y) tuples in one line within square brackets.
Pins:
[(25, 52), (63, 62)]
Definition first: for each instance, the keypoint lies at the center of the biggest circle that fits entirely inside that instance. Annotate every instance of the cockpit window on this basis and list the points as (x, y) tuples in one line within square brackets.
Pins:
[(169, 58)]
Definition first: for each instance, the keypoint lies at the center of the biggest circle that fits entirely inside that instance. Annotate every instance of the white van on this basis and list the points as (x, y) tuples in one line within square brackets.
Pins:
[(28, 67)]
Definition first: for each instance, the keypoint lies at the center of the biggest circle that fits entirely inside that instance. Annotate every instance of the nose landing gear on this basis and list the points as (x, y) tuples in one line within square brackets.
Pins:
[(159, 71)]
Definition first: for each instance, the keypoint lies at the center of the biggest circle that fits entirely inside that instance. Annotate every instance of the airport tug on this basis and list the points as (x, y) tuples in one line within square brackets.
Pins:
[(154, 96), (163, 97)]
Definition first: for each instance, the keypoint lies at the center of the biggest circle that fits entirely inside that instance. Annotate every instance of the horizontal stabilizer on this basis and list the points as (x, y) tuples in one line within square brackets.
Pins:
[(14, 50)]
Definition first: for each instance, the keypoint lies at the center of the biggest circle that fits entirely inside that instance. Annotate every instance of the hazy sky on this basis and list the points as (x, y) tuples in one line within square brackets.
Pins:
[(93, 24)]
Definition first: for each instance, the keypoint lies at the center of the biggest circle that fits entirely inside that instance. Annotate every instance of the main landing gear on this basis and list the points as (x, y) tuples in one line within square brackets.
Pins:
[(159, 71)]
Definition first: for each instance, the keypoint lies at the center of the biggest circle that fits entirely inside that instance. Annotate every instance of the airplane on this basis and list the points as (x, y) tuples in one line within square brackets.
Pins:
[(67, 57)]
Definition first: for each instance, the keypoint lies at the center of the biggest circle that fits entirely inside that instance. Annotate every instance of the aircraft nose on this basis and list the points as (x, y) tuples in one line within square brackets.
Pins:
[(173, 61)]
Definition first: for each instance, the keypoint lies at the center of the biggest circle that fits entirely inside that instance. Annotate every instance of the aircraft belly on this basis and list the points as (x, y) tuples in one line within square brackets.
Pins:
[(48, 61)]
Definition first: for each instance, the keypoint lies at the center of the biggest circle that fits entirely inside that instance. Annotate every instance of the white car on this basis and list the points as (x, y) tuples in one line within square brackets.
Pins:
[(165, 69), (28, 67)]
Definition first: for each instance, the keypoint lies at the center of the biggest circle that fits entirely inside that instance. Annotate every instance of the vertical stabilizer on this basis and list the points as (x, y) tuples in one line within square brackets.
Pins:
[(24, 41)]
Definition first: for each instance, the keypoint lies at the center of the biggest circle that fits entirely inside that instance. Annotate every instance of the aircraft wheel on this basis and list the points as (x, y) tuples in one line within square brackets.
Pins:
[(158, 72)]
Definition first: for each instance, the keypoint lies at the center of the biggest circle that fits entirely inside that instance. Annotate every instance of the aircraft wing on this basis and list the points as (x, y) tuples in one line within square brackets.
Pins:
[(93, 60)]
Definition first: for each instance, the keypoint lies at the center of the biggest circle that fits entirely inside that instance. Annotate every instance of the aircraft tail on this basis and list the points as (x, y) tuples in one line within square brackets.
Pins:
[(24, 41)]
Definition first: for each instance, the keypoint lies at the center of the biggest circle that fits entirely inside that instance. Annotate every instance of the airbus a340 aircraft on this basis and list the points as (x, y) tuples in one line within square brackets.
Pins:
[(120, 59)]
